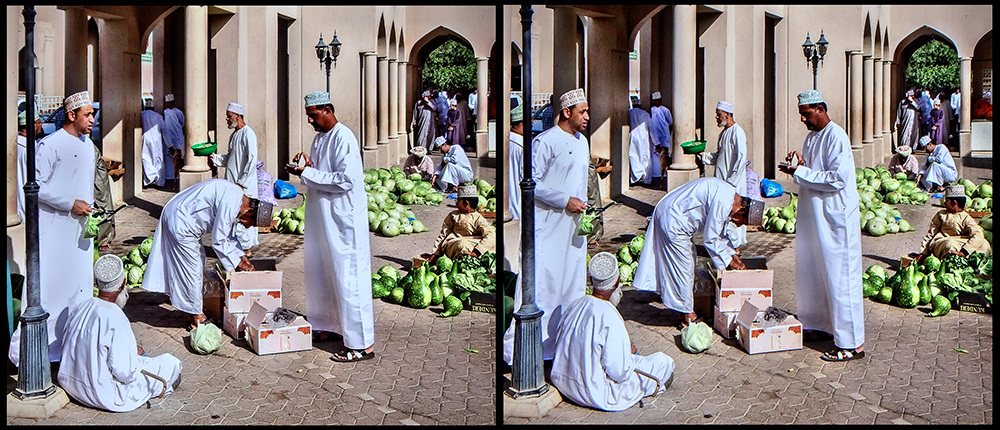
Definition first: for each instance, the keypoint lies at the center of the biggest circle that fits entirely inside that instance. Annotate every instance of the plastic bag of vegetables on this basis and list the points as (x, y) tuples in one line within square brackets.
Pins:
[(206, 338), (91, 230), (586, 225), (697, 337)]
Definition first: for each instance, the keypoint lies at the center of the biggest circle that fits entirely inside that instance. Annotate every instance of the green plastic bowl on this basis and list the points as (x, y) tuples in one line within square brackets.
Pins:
[(203, 149), (693, 147)]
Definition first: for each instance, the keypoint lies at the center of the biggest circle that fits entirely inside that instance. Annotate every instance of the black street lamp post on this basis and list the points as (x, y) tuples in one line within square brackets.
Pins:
[(815, 52), (327, 54), (527, 378)]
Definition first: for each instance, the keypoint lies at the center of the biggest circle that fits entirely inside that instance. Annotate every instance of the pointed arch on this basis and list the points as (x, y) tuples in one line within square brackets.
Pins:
[(382, 42), (867, 46)]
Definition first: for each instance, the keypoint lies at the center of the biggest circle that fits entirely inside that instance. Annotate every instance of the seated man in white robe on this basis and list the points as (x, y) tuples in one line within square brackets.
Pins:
[(455, 167), (595, 364), (176, 263), (102, 364), (668, 257), (939, 168)]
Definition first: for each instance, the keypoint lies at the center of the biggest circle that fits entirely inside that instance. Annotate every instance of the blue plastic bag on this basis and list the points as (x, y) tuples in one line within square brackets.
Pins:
[(769, 188), (284, 190)]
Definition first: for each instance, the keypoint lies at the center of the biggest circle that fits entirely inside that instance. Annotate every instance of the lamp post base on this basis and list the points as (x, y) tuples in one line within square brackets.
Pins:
[(531, 406), (37, 408)]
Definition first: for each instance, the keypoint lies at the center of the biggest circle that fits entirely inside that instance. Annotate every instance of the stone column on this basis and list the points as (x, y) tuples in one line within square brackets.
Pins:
[(75, 75), (383, 112), (683, 168), (877, 109), (867, 109), (855, 107), (393, 113), (965, 118), (482, 129), (401, 124), (887, 107), (195, 101), (369, 153), (564, 65)]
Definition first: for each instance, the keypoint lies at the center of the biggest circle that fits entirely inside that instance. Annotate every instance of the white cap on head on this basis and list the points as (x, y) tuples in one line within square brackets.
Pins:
[(77, 101), (904, 150), (109, 271), (468, 191), (317, 98), (236, 108), (440, 141), (419, 151), (656, 96), (168, 98), (925, 140), (572, 98), (810, 97), (603, 270), (726, 107)]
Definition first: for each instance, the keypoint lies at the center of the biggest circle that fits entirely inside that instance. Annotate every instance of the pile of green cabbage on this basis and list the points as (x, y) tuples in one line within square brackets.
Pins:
[(628, 259), (393, 184), (292, 221), (979, 197), (882, 186), (135, 263), (781, 220)]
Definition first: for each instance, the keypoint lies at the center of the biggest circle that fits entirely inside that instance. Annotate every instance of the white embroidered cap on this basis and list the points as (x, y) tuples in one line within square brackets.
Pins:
[(603, 270), (317, 98), (77, 101), (726, 107), (109, 271), (810, 97), (168, 98), (656, 96), (572, 98), (236, 108)]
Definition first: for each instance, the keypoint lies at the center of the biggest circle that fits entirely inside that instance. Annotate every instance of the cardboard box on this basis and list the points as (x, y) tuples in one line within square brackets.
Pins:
[(972, 302), (725, 323), (756, 339), (738, 286), (480, 302), (245, 288), (264, 340), (234, 323)]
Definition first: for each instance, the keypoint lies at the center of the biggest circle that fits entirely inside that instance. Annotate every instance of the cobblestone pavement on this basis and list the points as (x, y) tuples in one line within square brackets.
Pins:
[(423, 374), (911, 373)]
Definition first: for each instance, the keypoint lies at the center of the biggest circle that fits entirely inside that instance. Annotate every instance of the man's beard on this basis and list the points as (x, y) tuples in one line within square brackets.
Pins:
[(721, 123), (231, 125), (122, 298)]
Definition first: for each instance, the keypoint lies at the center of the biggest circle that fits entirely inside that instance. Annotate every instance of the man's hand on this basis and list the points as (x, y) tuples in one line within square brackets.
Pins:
[(140, 350), (575, 205), (470, 253), (634, 349), (81, 208), (737, 264), (297, 171), (245, 265)]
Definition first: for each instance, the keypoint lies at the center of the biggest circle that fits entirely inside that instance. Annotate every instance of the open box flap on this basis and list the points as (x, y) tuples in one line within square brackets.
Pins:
[(747, 314), (256, 315)]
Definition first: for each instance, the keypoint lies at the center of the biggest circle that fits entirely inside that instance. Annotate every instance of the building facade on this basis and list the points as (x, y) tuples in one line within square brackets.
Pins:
[(262, 57), (751, 56)]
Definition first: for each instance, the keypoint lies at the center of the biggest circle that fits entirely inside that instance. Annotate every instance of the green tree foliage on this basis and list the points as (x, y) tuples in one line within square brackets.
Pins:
[(451, 67), (933, 66)]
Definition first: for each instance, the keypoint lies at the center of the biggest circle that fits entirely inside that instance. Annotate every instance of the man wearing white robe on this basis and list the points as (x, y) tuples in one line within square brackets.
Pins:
[(241, 166), (176, 262), (455, 168), (828, 233), (64, 172), (337, 252), (596, 364), (560, 159), (730, 161), (640, 164), (22, 155), (938, 169), (908, 122), (103, 365), (659, 134), (515, 167), (173, 135), (668, 257), (153, 166)]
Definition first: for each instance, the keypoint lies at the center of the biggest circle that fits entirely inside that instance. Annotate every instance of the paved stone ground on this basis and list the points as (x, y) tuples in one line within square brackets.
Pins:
[(911, 374), (422, 373)]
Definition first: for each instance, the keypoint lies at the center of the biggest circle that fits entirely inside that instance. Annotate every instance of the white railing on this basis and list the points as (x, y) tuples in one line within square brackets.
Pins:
[(44, 104), (538, 100)]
